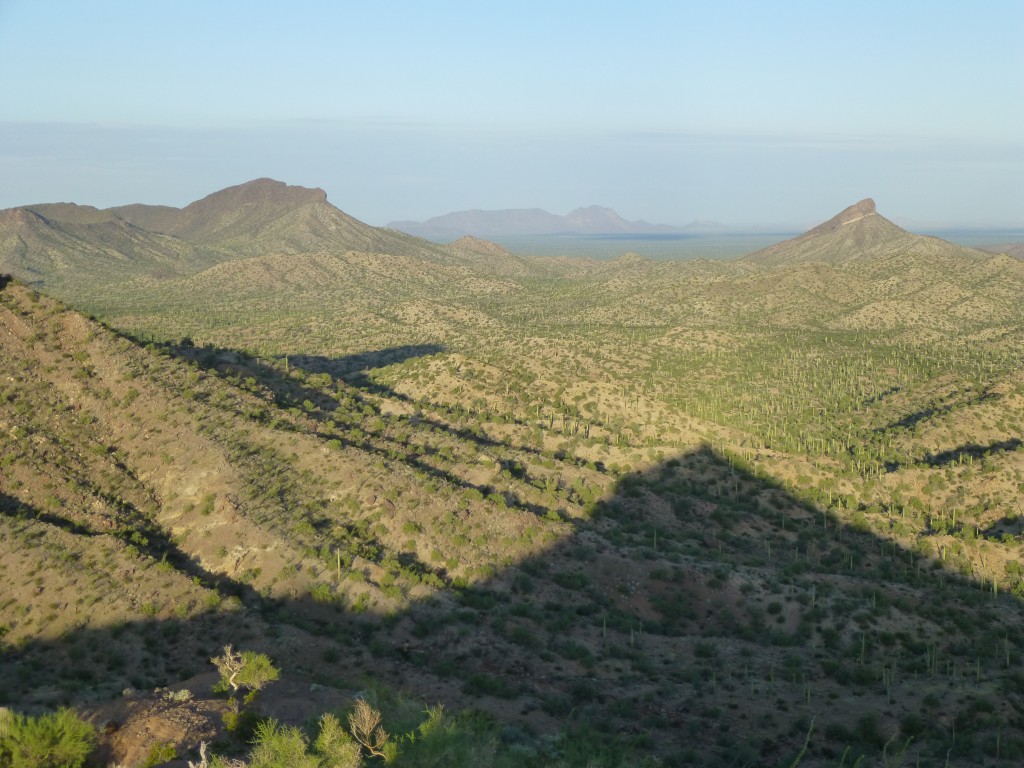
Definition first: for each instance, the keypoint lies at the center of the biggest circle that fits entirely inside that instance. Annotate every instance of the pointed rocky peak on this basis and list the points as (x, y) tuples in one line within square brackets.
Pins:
[(855, 233), (863, 208), (854, 213)]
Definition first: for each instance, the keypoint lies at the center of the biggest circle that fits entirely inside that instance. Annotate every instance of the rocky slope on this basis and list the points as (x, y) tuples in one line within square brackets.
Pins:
[(858, 233)]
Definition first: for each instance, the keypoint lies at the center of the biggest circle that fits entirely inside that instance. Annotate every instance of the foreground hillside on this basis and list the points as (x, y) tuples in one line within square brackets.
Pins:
[(709, 510)]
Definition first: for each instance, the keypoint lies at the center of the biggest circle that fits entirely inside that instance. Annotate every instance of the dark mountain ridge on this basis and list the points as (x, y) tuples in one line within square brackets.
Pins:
[(262, 217), (266, 216), (242, 209)]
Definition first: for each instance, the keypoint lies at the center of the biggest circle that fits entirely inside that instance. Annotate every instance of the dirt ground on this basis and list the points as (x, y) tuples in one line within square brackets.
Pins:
[(187, 713)]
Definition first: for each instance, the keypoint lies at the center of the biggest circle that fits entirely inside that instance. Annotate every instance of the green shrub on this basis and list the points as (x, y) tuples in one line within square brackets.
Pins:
[(334, 745), (58, 740), (280, 746), (443, 740), (161, 752)]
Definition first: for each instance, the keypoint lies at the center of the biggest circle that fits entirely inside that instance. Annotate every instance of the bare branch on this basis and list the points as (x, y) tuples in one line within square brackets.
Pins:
[(364, 723)]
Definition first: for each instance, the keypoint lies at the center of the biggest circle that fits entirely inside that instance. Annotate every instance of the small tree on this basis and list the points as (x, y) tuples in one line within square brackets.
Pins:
[(245, 669)]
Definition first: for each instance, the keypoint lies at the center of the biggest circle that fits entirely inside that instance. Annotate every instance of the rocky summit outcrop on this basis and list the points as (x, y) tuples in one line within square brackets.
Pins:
[(847, 216)]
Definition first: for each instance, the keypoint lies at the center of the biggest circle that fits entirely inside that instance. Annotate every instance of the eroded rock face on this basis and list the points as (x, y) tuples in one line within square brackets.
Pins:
[(865, 207)]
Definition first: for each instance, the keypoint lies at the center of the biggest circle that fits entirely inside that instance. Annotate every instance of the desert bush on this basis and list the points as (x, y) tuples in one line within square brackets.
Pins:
[(57, 740), (335, 746), (463, 740), (282, 746), (160, 753), (279, 746)]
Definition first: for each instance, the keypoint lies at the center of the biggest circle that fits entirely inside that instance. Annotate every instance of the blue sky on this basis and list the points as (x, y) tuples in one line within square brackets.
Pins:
[(745, 112)]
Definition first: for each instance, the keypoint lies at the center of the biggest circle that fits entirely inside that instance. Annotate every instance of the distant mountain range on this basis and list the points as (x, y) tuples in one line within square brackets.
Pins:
[(513, 222), (57, 243)]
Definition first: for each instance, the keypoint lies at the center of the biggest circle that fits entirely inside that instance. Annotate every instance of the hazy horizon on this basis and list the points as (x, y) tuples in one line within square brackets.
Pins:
[(681, 247), (741, 113)]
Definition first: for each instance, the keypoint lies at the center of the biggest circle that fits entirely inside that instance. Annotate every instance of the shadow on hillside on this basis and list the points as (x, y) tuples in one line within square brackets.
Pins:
[(972, 451), (13, 507), (703, 612), (966, 452), (274, 374), (511, 499), (146, 537), (912, 419), (1009, 525), (308, 393), (349, 377), (353, 368)]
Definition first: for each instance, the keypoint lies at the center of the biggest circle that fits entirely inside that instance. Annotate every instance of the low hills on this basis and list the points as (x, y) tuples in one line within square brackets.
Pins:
[(704, 511), (1011, 249), (60, 244)]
